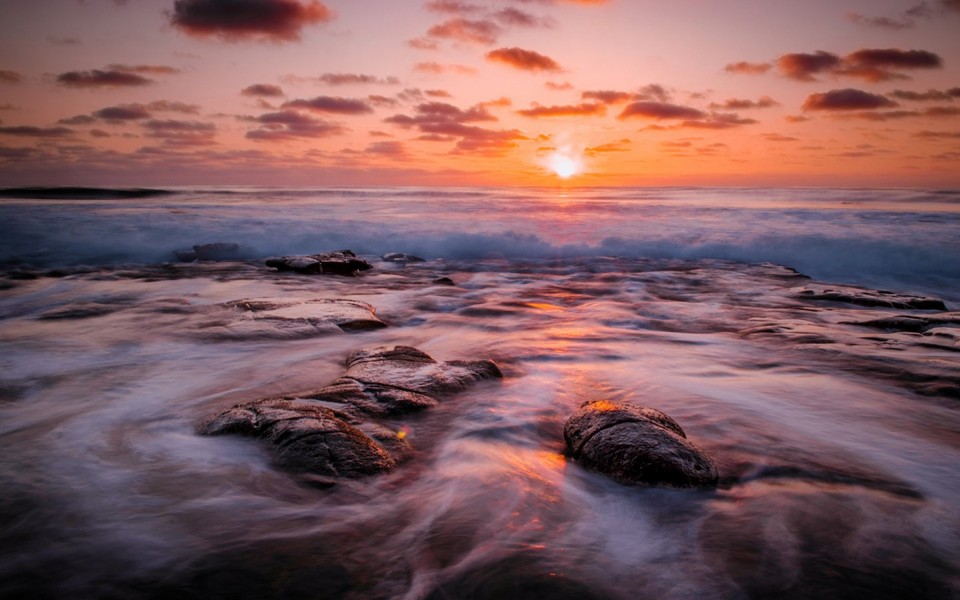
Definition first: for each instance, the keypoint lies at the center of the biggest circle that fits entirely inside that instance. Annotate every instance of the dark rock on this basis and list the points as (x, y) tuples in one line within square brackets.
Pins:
[(866, 297), (322, 432), (636, 445), (305, 437), (214, 252), (443, 281), (400, 257), (341, 262), (911, 323)]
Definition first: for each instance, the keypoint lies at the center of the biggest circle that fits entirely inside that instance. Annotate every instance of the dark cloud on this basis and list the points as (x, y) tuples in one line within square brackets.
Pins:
[(173, 106), (263, 89), (481, 31), (237, 20), (355, 78), (98, 78), (870, 64), (526, 60), (928, 96), (438, 93), (748, 68), (439, 121), (78, 120), (8, 106), (607, 96), (10, 77), (744, 104), (37, 132), (331, 104), (145, 69), (660, 110), (779, 137), (847, 99), (893, 58), (803, 67), (717, 121), (99, 133), (289, 125), (570, 110), (127, 112), (653, 91)]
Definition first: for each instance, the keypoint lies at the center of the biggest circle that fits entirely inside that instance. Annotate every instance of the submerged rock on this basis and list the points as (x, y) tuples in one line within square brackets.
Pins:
[(866, 297), (214, 252), (400, 257), (325, 432), (636, 445), (342, 262)]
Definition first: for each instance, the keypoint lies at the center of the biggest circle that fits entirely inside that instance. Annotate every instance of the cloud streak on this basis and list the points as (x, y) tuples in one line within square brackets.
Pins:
[(525, 60), (98, 78)]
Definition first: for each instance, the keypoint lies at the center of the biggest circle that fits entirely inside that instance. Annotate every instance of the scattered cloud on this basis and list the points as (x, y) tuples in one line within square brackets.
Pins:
[(264, 90), (181, 133), (893, 24), (608, 96), (58, 40), (391, 149), (847, 99), (660, 110), (290, 125), (331, 104), (621, 145), (453, 7), (440, 69), (439, 121), (938, 135), (517, 18), (748, 68), (483, 31), (526, 60), (422, 43), (779, 137), (907, 18), (438, 93), (928, 96), (36, 132), (173, 106), (144, 69), (10, 77), (558, 86), (570, 110), (102, 78), (261, 20), (743, 104), (803, 67), (356, 79), (118, 114)]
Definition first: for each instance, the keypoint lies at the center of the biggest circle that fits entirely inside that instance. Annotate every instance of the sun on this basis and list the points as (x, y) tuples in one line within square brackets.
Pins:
[(563, 165)]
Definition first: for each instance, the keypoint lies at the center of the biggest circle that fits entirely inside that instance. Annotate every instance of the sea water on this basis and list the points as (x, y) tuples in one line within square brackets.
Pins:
[(837, 443)]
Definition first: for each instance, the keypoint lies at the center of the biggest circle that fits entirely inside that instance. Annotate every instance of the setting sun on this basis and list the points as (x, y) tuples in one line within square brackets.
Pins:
[(563, 166)]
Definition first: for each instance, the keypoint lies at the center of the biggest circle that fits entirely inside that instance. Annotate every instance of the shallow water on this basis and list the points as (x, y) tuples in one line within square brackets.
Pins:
[(837, 444)]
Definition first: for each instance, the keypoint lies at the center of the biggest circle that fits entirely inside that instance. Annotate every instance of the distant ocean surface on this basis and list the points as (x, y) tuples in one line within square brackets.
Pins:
[(796, 335), (886, 237)]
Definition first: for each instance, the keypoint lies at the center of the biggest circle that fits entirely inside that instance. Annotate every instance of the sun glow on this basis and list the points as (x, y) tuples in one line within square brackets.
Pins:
[(563, 165)]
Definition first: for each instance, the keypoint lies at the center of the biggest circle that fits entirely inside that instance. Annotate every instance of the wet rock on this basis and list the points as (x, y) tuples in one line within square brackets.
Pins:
[(443, 281), (866, 297), (911, 323), (327, 432), (216, 251), (400, 257), (636, 445), (342, 262), (305, 437)]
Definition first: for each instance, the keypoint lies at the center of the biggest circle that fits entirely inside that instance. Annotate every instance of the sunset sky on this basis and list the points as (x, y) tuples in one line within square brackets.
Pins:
[(480, 92)]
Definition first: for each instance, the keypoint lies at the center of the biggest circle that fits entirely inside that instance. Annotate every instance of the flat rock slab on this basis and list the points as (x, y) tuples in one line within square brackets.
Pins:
[(329, 432), (342, 262), (254, 318), (636, 445), (867, 297)]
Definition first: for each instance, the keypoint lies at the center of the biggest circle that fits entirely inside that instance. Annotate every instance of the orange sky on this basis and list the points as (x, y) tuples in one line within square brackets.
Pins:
[(501, 92)]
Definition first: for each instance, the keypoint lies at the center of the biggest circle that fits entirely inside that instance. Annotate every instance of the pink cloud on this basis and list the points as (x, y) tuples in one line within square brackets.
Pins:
[(525, 60), (574, 110)]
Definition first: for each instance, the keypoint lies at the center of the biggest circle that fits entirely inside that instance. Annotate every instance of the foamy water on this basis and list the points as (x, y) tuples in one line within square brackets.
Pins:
[(837, 444)]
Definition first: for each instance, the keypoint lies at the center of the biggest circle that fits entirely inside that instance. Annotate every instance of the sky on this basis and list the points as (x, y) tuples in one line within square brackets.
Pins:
[(480, 92)]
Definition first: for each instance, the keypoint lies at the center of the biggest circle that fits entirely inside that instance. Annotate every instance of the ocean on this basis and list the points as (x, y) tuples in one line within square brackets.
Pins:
[(777, 326)]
